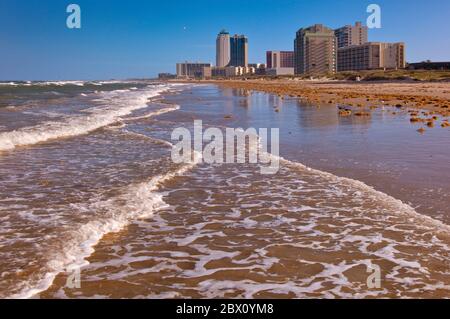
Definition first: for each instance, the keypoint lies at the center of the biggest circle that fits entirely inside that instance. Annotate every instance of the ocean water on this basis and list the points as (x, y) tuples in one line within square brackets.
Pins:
[(88, 185)]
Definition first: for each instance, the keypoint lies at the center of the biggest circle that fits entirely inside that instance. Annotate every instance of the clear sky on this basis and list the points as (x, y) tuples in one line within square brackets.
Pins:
[(139, 38)]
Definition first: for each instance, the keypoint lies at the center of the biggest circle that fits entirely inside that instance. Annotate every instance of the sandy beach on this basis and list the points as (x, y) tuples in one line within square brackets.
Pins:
[(91, 193), (434, 97)]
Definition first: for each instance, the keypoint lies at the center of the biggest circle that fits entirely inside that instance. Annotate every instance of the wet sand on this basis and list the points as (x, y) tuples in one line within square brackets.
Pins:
[(431, 96), (228, 231)]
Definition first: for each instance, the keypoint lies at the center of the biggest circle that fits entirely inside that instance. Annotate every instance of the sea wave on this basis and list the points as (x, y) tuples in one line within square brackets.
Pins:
[(119, 105), (142, 201)]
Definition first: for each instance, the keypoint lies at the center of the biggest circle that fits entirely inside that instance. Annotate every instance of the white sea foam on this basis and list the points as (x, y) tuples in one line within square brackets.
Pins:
[(155, 140), (119, 105), (46, 83), (400, 207), (155, 113), (142, 200)]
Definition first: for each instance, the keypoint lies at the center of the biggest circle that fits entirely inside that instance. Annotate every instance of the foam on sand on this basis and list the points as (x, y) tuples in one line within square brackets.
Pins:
[(142, 201)]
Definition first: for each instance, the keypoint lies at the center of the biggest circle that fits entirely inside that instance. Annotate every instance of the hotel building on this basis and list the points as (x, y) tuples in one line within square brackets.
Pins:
[(280, 62), (315, 50), (279, 59), (351, 35), (229, 71), (372, 56), (238, 51), (223, 49), (192, 70)]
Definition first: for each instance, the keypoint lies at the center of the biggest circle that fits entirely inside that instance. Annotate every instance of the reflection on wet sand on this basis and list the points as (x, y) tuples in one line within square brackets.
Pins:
[(112, 202)]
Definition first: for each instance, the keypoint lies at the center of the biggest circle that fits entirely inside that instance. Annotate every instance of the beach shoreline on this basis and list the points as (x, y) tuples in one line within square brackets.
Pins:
[(434, 97), (306, 232), (335, 193)]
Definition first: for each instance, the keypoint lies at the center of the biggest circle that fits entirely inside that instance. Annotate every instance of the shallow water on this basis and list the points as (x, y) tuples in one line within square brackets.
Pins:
[(110, 200)]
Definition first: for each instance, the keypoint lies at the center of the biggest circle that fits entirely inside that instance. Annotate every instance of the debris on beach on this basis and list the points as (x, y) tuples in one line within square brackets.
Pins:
[(421, 130), (45, 183), (362, 113), (345, 112)]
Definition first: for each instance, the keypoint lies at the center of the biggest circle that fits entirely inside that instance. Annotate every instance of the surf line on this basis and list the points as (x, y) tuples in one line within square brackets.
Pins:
[(142, 200)]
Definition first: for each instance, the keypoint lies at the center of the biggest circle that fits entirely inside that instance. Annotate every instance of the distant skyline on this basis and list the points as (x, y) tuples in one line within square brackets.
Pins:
[(140, 38)]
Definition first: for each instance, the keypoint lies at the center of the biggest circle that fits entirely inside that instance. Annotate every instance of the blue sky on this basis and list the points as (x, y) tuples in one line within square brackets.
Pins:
[(139, 38)]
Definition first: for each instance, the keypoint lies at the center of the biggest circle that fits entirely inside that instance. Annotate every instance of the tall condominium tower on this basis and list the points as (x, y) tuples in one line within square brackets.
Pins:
[(351, 35), (315, 50), (239, 50), (223, 49)]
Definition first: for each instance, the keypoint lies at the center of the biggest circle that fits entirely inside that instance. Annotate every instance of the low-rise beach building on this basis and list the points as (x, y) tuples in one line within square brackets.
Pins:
[(227, 72), (260, 68), (371, 56), (192, 69), (280, 63), (280, 71), (428, 65), (280, 59)]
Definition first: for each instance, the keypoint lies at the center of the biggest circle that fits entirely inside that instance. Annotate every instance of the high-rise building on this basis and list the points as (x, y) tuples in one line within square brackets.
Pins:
[(192, 70), (351, 35), (238, 51), (223, 49), (371, 56), (280, 59), (315, 50)]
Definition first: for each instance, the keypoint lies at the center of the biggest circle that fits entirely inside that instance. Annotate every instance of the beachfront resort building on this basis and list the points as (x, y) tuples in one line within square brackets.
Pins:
[(231, 51), (372, 56), (315, 50), (279, 59), (351, 35), (228, 72), (238, 51), (192, 69), (223, 49), (260, 68), (280, 62)]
